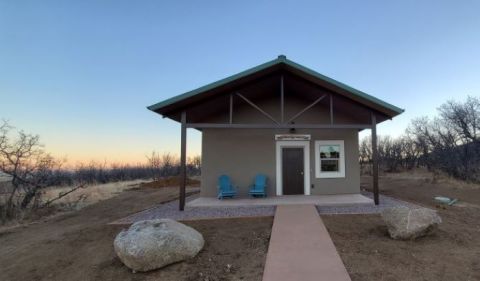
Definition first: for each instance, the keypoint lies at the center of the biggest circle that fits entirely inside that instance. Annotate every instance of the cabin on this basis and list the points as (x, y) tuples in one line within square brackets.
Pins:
[(283, 120)]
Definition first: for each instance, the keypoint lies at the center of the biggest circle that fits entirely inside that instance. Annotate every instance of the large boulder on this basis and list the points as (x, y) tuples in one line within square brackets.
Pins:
[(406, 223), (153, 244)]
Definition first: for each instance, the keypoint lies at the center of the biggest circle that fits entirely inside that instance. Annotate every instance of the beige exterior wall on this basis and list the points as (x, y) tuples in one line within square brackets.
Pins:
[(242, 153)]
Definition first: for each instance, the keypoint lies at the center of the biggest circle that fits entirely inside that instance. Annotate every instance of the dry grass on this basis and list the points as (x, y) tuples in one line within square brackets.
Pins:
[(88, 195), (82, 197), (96, 193), (170, 181), (432, 177)]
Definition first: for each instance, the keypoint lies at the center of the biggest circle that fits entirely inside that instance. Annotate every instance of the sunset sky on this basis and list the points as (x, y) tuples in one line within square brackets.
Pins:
[(81, 73)]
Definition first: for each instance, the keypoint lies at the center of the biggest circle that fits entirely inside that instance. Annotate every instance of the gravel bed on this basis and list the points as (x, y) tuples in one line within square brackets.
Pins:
[(170, 210), (385, 203)]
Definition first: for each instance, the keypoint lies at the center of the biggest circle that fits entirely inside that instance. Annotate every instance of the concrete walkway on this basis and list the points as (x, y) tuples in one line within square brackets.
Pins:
[(301, 248), (318, 200)]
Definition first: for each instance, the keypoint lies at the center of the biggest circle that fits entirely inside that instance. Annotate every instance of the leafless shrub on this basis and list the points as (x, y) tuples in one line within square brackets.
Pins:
[(31, 170), (194, 165), (29, 167), (449, 143), (167, 165)]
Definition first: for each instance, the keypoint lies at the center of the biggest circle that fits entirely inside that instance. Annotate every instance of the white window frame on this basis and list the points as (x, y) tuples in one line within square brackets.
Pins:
[(341, 164)]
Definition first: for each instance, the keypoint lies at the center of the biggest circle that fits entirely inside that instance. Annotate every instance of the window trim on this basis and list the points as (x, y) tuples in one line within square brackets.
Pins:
[(341, 164)]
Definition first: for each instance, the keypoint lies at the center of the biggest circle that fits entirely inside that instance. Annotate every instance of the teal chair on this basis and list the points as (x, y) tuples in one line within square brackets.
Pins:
[(225, 187), (258, 189)]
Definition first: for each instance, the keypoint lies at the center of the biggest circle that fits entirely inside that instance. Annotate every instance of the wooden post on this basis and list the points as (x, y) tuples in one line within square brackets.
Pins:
[(183, 157), (331, 109), (282, 104), (231, 108), (375, 159)]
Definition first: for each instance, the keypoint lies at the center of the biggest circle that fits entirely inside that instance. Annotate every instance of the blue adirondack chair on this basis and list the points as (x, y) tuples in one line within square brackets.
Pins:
[(225, 187), (259, 187)]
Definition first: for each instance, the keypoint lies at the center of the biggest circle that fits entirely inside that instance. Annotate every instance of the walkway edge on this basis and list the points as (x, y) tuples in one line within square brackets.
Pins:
[(301, 249)]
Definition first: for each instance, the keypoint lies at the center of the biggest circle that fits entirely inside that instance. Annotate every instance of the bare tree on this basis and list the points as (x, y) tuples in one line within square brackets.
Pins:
[(167, 165), (410, 152), (29, 166), (194, 165), (170, 165), (155, 165), (366, 155), (449, 142), (463, 118)]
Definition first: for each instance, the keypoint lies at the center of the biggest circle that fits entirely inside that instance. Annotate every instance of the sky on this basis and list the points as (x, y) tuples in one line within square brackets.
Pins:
[(81, 73)]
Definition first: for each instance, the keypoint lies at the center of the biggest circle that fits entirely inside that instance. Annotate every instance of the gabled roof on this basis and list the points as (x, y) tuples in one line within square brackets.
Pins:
[(176, 102)]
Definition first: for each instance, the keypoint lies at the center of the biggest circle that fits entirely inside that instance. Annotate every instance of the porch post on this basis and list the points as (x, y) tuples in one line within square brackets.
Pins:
[(331, 109), (282, 101), (375, 159), (231, 109), (183, 156)]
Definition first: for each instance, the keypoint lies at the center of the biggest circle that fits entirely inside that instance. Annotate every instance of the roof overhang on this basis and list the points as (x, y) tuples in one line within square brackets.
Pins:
[(176, 103)]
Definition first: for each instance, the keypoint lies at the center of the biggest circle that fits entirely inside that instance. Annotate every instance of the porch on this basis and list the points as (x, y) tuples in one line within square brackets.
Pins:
[(317, 200), (170, 210)]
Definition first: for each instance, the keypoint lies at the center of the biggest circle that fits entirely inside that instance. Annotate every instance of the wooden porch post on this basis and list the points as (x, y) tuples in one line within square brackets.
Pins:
[(282, 101), (331, 109), (183, 157), (375, 159), (231, 109)]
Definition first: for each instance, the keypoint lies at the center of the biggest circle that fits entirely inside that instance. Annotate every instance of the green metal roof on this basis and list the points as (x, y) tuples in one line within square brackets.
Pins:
[(280, 60)]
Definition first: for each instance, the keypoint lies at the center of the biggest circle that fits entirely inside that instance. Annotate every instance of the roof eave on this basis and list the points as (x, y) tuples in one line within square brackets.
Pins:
[(215, 84), (346, 87), (389, 109)]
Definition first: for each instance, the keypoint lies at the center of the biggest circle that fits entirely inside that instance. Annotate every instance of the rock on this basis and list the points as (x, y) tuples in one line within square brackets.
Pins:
[(153, 244), (405, 223)]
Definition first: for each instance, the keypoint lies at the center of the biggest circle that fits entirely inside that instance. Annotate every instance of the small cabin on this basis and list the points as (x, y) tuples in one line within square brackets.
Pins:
[(283, 120)]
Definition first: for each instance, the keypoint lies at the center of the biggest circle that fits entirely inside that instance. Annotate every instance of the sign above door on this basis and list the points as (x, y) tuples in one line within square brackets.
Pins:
[(292, 137)]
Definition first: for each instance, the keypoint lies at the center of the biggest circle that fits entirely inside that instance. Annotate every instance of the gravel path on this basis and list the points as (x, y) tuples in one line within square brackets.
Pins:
[(170, 210), (385, 203)]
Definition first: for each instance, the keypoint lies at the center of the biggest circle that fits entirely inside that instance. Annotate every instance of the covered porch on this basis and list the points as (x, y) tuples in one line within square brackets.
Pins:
[(333, 200), (277, 119)]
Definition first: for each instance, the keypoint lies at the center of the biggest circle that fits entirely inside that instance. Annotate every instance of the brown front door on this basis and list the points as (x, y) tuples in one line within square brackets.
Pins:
[(292, 170)]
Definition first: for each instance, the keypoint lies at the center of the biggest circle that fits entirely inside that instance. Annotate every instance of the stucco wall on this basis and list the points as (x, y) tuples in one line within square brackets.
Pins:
[(242, 153)]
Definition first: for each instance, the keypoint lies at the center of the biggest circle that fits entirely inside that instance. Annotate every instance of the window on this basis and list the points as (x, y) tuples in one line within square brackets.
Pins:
[(329, 159)]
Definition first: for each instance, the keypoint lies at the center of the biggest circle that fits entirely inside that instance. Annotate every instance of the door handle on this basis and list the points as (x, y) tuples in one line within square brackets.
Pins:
[(301, 173)]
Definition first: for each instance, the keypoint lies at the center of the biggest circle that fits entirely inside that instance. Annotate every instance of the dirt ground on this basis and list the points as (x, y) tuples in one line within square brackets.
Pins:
[(88, 195), (78, 245), (453, 253)]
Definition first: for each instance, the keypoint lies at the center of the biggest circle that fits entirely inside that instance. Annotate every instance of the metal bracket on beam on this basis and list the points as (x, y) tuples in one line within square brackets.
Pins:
[(306, 108), (257, 108)]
